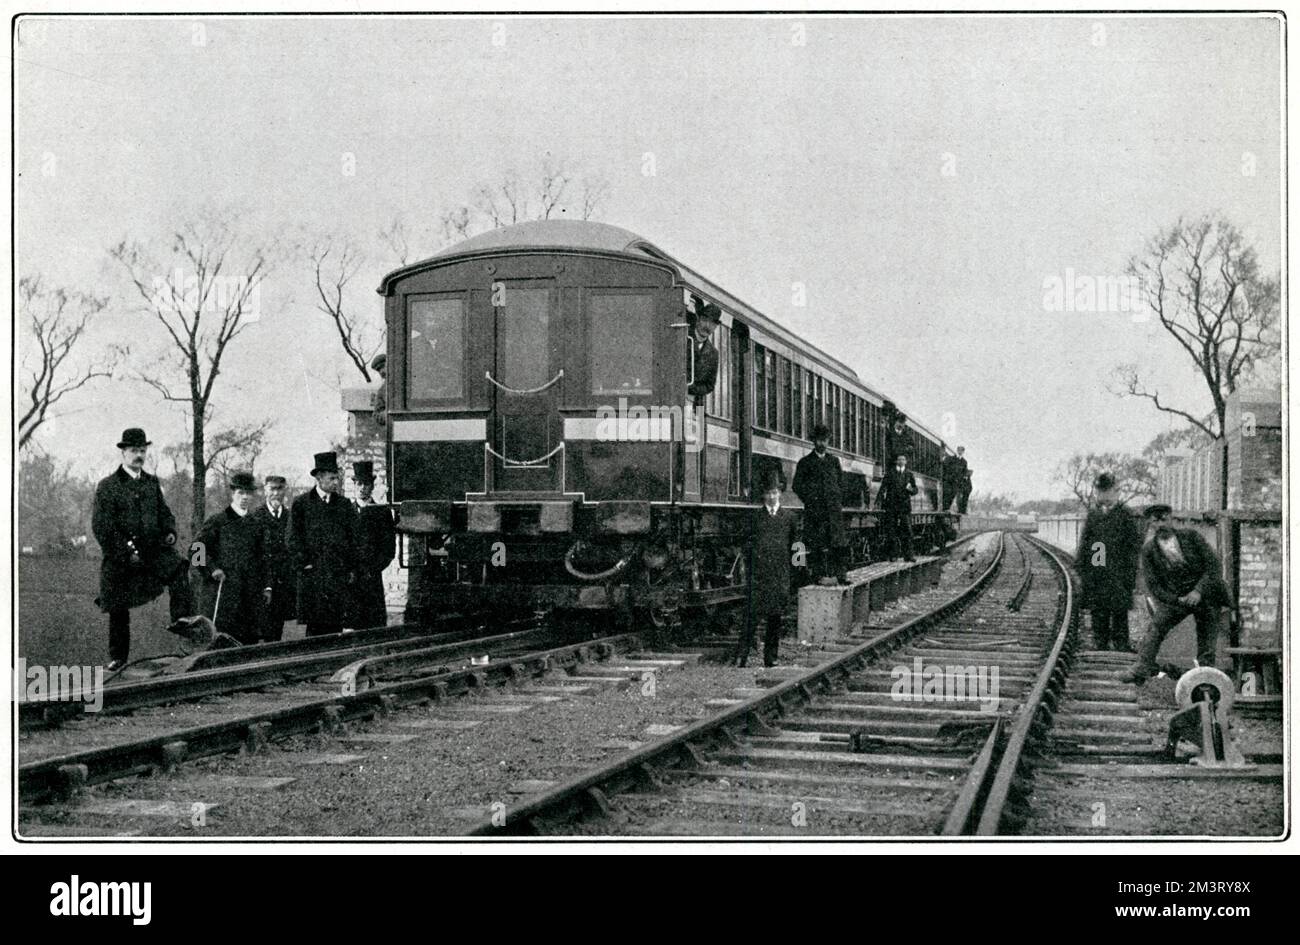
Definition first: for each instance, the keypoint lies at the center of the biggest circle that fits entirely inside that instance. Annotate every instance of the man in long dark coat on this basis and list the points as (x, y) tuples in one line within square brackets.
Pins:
[(137, 532), (1107, 562), (322, 539), (378, 546), (280, 590), (228, 564), (895, 499), (954, 477), (770, 550), (1183, 579), (818, 482)]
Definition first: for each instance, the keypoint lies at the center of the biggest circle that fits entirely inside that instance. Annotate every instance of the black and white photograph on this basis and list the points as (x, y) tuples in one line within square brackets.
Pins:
[(701, 430)]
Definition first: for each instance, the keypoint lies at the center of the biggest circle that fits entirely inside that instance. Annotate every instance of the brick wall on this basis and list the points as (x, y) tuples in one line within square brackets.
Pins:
[(366, 442), (1260, 571)]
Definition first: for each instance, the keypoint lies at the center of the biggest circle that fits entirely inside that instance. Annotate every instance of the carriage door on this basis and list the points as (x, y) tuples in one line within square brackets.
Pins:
[(527, 454)]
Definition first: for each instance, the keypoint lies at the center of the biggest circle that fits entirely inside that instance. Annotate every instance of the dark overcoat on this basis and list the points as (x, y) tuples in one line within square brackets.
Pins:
[(232, 544), (896, 491), (771, 538), (133, 510), (277, 566), (819, 484), (1199, 571), (1107, 559), (322, 539), (377, 546), (704, 369)]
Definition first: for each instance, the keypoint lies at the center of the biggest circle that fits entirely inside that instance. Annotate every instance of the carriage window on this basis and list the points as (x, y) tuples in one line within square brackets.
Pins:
[(718, 404), (772, 422), (435, 349), (796, 400), (622, 347), (760, 397)]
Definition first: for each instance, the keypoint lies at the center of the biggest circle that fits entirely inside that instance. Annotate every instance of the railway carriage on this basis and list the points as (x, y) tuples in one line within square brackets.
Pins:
[(545, 453)]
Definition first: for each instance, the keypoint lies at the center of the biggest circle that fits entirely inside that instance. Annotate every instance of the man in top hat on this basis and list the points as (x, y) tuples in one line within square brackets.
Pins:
[(279, 593), (771, 541), (704, 356), (819, 484), (322, 540), (137, 532), (1183, 579), (228, 564), (379, 399), (895, 498), (377, 545), (1107, 562)]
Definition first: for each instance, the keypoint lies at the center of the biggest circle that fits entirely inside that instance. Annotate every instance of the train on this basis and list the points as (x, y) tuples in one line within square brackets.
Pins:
[(544, 452)]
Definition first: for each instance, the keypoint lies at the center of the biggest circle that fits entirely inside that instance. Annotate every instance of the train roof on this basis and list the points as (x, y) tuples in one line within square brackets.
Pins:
[(588, 235)]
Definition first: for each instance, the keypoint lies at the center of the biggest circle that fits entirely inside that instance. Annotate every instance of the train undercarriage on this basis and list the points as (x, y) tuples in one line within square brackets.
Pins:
[(631, 561)]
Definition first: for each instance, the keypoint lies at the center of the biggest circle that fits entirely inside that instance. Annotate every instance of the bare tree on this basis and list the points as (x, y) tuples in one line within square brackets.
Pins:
[(1205, 284), (1135, 476), (237, 448), (335, 262), (204, 296), (594, 192), (58, 320)]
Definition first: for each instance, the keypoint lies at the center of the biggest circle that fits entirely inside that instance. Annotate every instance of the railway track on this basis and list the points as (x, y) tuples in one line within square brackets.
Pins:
[(240, 669), (835, 750), (371, 688)]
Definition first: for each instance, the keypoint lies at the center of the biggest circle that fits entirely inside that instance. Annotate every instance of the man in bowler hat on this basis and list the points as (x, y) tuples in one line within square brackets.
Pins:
[(322, 541), (895, 498), (704, 356), (137, 533), (819, 484), (280, 583), (1107, 562), (771, 543), (228, 564), (377, 539)]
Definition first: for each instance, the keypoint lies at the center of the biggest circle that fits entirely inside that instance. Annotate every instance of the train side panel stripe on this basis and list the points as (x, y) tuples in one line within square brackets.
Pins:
[(415, 431)]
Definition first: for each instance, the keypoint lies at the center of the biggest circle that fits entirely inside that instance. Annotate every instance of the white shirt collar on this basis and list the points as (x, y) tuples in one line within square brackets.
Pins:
[(324, 496), (774, 509), (275, 513), (130, 472), (238, 512)]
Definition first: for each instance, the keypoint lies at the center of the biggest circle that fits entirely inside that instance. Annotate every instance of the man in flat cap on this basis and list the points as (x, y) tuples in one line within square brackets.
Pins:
[(280, 584), (228, 564), (379, 399), (819, 484), (377, 545), (322, 540), (137, 532), (1107, 563), (1183, 579)]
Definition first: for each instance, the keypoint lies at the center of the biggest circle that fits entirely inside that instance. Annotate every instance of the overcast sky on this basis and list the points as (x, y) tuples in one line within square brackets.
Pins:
[(921, 178)]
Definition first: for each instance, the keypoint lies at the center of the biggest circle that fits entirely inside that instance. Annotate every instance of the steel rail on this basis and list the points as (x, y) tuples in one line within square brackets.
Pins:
[(637, 766), (1035, 714), (63, 774), (198, 684)]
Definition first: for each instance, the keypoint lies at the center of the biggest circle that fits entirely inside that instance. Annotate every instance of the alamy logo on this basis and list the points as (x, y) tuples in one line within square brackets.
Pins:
[(935, 683), (102, 899), (61, 683)]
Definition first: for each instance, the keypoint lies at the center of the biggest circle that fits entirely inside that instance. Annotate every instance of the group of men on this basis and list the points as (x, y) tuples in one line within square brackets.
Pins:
[(1181, 573), (249, 569), (819, 484)]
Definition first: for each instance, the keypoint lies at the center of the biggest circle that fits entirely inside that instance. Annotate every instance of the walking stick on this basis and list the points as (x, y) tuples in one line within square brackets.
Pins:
[(216, 608)]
